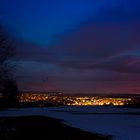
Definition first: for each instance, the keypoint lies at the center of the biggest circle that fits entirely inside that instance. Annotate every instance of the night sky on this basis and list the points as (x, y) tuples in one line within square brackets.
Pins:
[(75, 46)]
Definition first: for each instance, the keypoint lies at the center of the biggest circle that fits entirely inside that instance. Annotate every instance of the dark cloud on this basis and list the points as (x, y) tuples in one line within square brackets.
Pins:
[(126, 64), (91, 47), (31, 52), (101, 47)]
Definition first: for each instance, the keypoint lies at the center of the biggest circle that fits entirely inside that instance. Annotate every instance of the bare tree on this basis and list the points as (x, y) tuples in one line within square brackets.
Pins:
[(6, 53), (8, 86)]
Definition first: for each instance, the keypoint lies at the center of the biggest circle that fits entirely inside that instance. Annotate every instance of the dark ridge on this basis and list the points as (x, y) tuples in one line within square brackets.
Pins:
[(42, 128)]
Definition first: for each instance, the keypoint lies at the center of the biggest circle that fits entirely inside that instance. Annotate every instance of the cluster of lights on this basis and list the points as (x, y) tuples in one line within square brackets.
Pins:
[(33, 97), (100, 101), (74, 100)]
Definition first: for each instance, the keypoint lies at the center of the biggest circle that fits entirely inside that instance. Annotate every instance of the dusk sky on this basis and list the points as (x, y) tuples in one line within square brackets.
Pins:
[(75, 46)]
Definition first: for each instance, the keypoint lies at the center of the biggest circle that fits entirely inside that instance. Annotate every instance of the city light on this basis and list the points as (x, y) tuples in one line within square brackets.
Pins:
[(74, 100)]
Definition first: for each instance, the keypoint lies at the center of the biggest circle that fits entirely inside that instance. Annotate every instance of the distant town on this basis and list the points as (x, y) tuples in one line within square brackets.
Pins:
[(44, 99)]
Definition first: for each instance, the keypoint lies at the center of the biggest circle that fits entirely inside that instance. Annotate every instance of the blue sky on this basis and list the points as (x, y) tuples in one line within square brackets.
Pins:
[(77, 45), (43, 21)]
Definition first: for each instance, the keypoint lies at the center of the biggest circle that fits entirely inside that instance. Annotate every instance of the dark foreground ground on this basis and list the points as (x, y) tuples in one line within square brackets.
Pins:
[(42, 128)]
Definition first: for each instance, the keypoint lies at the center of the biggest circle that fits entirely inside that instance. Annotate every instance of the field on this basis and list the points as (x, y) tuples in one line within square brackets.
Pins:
[(44, 128), (121, 123)]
